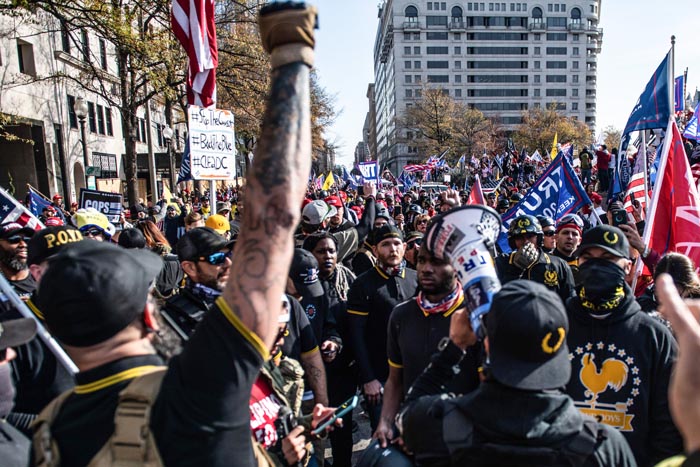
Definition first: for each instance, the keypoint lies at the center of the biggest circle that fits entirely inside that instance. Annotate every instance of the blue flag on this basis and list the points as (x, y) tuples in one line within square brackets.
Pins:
[(653, 108), (185, 168), (558, 192), (37, 203), (679, 85), (692, 131)]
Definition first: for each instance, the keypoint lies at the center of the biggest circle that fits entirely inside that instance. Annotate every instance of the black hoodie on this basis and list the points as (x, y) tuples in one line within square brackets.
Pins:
[(620, 371)]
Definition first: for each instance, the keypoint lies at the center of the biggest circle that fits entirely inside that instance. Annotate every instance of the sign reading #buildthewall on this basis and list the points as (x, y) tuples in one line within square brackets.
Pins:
[(212, 143)]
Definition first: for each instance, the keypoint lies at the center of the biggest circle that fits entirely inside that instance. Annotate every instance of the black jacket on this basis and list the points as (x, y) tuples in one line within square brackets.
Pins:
[(371, 299), (620, 371), (549, 270), (499, 415)]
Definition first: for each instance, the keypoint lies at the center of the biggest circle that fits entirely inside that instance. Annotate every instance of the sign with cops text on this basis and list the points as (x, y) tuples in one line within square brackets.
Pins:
[(212, 143), (109, 204), (558, 192)]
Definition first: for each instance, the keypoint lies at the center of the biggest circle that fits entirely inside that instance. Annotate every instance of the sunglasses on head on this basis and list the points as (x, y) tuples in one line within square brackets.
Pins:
[(15, 239), (216, 259)]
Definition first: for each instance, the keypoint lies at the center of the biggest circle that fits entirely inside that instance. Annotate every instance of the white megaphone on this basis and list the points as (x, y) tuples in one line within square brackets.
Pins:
[(466, 236)]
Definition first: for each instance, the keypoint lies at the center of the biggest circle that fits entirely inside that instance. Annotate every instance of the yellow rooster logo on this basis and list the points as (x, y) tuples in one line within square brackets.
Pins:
[(612, 374)]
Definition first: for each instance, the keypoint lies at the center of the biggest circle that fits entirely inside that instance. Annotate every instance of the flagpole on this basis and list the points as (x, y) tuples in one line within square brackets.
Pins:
[(645, 170), (672, 74), (651, 208)]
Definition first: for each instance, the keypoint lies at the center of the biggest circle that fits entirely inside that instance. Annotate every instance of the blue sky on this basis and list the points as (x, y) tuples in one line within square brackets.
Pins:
[(634, 43)]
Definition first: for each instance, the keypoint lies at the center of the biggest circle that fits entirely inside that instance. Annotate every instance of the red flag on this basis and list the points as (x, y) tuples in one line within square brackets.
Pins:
[(476, 196), (675, 220), (193, 25)]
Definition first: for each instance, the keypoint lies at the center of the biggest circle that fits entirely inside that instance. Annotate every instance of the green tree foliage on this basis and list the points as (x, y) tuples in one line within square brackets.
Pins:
[(612, 137)]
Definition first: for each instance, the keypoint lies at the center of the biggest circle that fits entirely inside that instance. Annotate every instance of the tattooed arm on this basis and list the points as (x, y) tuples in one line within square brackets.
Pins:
[(275, 187), (315, 373)]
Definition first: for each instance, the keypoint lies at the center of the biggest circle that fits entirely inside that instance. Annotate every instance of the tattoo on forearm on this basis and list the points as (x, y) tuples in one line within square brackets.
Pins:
[(282, 127)]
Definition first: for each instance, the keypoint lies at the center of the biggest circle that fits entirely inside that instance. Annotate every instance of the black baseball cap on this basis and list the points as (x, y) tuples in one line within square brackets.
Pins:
[(201, 242), (527, 327), (49, 241), (304, 274), (93, 290), (132, 238), (607, 237), (8, 229), (16, 332), (387, 231)]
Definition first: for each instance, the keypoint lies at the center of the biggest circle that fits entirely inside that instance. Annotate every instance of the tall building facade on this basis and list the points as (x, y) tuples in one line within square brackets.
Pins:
[(499, 57)]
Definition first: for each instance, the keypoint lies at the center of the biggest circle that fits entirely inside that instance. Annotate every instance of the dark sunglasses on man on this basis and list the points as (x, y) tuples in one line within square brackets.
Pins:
[(549, 233), (216, 259), (15, 239)]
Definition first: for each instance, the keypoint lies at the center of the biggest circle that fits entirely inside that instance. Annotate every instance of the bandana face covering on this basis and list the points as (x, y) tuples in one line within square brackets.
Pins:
[(602, 286), (449, 303), (393, 270)]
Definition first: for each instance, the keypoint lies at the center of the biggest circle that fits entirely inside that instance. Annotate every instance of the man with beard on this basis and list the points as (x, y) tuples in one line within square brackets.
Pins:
[(569, 231), (416, 327), (621, 358), (14, 239), (372, 297), (205, 257)]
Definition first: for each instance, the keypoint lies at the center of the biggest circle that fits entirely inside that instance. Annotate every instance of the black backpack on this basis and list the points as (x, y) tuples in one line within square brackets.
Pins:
[(468, 447)]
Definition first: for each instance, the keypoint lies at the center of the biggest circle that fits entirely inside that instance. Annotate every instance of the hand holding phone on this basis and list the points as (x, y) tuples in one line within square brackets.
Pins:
[(339, 412)]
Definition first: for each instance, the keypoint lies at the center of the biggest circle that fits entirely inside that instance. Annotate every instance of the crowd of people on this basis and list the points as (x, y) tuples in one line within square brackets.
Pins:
[(229, 336)]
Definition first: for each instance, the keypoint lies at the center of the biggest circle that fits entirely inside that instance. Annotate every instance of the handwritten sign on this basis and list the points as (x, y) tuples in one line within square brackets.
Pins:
[(212, 143)]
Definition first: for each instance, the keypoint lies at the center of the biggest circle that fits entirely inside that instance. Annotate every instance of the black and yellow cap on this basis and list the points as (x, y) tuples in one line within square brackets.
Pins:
[(607, 237)]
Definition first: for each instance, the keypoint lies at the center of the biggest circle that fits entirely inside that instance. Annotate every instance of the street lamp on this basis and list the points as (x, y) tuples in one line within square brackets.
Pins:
[(80, 108), (168, 136)]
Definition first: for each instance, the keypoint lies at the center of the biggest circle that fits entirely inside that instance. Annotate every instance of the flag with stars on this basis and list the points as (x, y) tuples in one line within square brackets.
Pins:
[(12, 211)]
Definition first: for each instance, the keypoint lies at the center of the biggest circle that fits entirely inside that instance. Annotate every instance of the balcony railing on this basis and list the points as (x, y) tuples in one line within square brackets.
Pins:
[(537, 26), (575, 26), (457, 25), (408, 25)]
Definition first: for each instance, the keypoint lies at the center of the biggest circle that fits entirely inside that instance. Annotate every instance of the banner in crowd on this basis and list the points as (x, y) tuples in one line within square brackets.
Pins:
[(212, 143), (557, 192), (678, 97), (692, 129), (12, 211), (37, 202), (370, 171), (674, 217), (109, 204)]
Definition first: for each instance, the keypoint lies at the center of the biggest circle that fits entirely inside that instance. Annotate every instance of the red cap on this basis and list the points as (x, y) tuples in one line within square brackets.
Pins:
[(57, 196), (343, 196), (305, 202), (53, 222), (334, 201), (596, 198)]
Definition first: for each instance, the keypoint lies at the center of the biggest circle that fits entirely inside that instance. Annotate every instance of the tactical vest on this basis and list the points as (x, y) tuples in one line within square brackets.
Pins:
[(468, 447), (132, 443)]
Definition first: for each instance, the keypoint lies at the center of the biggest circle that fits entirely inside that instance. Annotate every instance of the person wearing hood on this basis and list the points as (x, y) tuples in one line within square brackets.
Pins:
[(519, 414), (621, 358)]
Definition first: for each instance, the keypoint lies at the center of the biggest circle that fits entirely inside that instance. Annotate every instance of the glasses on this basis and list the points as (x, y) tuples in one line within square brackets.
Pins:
[(91, 232), (417, 242), (216, 259), (421, 221), (15, 239), (549, 233)]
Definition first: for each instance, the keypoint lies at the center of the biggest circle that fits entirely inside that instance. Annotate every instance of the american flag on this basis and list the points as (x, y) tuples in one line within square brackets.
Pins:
[(12, 211), (193, 25), (636, 184)]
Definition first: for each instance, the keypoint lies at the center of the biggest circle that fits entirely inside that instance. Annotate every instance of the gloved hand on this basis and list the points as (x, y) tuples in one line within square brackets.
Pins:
[(526, 256), (287, 32)]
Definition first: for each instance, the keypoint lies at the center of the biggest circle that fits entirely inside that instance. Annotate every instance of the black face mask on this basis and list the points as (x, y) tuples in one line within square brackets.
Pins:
[(602, 286), (7, 390)]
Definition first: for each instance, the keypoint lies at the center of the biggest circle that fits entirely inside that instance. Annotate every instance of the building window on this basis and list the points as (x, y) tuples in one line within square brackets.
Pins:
[(142, 130), (537, 51), (538, 36), (575, 15), (556, 22), (537, 65), (574, 106), (411, 13), (92, 120), (430, 6), (458, 93), (457, 14), (438, 79), (85, 45), (407, 51), (574, 78), (556, 92), (556, 64), (416, 51), (409, 79), (436, 36), (416, 65), (537, 93), (72, 118), (458, 78), (574, 93), (159, 134), (537, 78), (458, 51), (108, 121), (556, 50), (437, 50), (438, 64), (574, 65), (407, 64), (574, 37), (537, 15), (103, 54), (409, 93), (407, 36), (65, 37), (416, 36), (25, 56), (436, 20), (458, 36), (574, 51), (100, 120), (419, 93), (417, 79)]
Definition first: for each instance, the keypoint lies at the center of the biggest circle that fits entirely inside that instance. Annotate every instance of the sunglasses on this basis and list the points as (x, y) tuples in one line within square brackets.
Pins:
[(91, 232), (416, 243), (216, 259), (549, 233), (422, 221), (15, 239)]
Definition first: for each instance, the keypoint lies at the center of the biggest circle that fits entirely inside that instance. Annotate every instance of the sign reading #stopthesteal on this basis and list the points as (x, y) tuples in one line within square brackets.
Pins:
[(212, 143)]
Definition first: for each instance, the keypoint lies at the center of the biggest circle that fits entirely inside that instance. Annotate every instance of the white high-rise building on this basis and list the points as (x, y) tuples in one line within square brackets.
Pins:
[(498, 57)]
